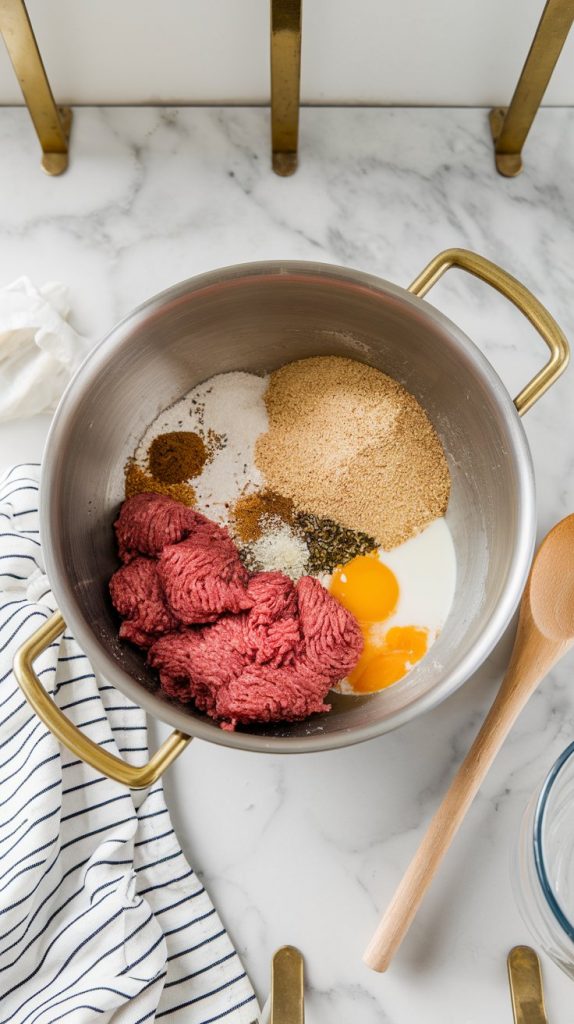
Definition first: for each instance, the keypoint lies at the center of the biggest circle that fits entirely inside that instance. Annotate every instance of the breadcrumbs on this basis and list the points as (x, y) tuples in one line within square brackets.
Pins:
[(349, 443)]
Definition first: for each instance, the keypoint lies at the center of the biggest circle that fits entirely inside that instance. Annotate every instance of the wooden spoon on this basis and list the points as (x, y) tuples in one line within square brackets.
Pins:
[(545, 632)]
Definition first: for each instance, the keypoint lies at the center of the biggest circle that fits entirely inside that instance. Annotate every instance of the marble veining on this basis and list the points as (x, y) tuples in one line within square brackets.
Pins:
[(308, 849)]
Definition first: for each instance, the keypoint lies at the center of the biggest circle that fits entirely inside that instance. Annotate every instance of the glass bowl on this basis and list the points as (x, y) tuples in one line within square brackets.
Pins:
[(544, 875)]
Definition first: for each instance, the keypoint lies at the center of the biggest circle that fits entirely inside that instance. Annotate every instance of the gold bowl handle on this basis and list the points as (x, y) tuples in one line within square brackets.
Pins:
[(69, 734), (523, 299)]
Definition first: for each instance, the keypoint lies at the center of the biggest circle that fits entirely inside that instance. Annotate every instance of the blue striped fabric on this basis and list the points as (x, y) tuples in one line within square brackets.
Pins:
[(101, 916)]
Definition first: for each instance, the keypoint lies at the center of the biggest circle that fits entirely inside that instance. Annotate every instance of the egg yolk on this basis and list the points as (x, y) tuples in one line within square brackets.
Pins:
[(381, 671), (366, 588), (412, 640), (369, 590), (382, 664)]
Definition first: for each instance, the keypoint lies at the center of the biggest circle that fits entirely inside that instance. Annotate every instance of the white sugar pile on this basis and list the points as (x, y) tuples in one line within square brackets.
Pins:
[(231, 406)]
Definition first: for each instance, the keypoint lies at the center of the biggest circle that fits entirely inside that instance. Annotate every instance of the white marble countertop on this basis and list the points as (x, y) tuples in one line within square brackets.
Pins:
[(308, 849)]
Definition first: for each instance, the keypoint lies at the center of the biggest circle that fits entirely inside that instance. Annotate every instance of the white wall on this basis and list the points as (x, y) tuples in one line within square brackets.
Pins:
[(464, 52)]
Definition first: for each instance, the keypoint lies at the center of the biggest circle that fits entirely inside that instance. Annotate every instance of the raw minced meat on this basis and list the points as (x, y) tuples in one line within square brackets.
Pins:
[(333, 641), (201, 659), (263, 693), (273, 627), (148, 522), (203, 577), (138, 596), (243, 648)]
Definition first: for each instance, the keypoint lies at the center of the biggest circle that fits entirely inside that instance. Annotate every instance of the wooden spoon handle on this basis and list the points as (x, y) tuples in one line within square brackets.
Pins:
[(530, 662), (443, 827)]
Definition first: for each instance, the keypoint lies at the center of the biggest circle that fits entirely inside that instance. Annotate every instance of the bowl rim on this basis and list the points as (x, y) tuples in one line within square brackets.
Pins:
[(459, 672), (540, 811)]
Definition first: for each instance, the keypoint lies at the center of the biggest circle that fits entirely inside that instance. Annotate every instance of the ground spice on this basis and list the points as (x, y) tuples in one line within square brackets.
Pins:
[(348, 443), (279, 547), (328, 543), (250, 511), (137, 481), (177, 456), (262, 514)]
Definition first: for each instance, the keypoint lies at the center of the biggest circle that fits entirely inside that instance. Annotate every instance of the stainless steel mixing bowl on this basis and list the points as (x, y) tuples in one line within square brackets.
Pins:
[(256, 317)]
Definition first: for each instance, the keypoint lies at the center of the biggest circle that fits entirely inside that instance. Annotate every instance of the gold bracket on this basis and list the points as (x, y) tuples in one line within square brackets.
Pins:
[(52, 123), (509, 127), (285, 83), (526, 986), (520, 297), (69, 734)]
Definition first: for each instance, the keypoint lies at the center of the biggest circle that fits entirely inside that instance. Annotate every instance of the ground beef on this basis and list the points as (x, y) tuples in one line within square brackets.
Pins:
[(203, 577), (242, 648), (214, 667), (263, 693), (147, 522), (273, 596), (193, 663), (138, 596), (332, 637), (272, 627), (257, 666), (213, 654)]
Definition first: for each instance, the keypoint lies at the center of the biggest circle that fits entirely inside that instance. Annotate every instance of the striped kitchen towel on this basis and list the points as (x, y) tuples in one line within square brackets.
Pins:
[(101, 917)]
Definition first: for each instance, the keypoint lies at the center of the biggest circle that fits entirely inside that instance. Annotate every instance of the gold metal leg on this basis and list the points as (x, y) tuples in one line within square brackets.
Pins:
[(510, 126), (285, 82), (287, 987), (526, 986), (52, 123)]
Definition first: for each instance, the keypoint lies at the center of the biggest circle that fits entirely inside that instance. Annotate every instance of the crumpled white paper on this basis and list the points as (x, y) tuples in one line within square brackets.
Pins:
[(39, 350)]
